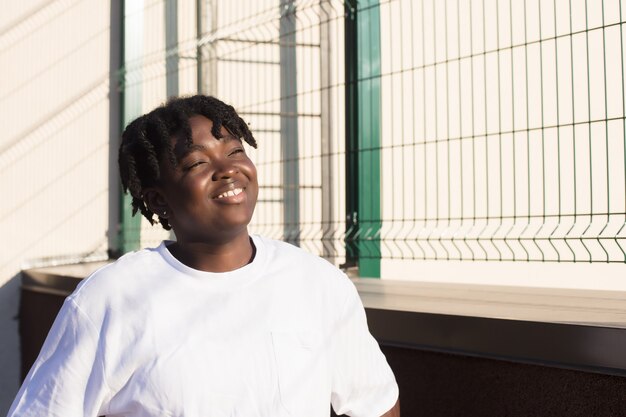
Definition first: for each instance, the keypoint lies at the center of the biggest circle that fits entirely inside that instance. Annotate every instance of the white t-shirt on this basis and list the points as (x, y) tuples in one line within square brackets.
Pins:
[(285, 335)]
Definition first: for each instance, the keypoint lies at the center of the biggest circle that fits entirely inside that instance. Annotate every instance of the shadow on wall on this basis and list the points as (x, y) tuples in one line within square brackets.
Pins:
[(9, 343)]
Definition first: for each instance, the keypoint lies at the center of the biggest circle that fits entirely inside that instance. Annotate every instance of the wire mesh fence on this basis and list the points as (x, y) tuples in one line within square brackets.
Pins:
[(511, 116), (467, 130)]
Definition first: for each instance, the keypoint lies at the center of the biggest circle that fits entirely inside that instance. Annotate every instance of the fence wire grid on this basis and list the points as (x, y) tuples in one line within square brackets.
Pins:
[(469, 130)]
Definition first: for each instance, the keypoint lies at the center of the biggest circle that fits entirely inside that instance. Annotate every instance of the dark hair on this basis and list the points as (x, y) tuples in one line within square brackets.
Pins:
[(148, 139)]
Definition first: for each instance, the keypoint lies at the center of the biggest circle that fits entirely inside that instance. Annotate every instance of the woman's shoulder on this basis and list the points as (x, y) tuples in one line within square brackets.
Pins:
[(281, 251), (296, 262), (125, 275)]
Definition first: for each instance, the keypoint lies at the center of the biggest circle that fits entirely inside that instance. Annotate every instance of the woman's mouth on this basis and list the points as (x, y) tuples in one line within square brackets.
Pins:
[(230, 193)]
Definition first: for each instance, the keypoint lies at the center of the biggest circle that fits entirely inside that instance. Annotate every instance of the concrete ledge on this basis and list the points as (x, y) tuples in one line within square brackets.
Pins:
[(582, 330), (547, 305), (58, 280)]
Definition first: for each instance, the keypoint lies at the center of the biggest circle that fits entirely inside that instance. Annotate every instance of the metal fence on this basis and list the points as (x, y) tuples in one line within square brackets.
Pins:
[(467, 130)]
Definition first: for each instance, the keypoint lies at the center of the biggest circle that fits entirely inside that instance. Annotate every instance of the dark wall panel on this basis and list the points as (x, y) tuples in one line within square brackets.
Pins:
[(446, 385)]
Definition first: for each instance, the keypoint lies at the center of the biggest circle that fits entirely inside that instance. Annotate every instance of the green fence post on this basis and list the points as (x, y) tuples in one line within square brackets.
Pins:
[(368, 133), (132, 43)]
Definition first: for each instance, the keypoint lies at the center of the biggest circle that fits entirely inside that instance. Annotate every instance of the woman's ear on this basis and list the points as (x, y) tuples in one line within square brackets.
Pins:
[(156, 202)]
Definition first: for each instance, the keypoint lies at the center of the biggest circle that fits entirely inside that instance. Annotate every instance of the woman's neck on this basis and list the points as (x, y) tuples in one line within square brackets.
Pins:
[(215, 257)]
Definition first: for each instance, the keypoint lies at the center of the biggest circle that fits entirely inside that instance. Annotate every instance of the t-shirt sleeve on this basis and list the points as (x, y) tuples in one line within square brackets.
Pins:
[(363, 384), (67, 379)]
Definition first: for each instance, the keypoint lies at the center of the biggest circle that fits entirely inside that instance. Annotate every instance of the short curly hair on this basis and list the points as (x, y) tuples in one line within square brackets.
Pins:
[(148, 139)]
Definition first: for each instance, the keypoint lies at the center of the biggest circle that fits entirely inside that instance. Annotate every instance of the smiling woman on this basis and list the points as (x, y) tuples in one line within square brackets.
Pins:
[(218, 323)]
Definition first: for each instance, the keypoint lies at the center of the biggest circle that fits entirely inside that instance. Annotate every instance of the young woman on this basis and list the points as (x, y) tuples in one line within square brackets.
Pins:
[(218, 323)]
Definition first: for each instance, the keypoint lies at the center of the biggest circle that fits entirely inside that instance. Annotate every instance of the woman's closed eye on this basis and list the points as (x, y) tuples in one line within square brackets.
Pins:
[(193, 165), (236, 151)]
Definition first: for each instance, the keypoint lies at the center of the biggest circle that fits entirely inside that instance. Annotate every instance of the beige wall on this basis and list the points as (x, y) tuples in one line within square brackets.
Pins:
[(54, 147)]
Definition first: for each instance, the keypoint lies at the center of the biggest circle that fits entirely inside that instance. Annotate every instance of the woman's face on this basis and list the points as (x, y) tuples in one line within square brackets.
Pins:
[(211, 194)]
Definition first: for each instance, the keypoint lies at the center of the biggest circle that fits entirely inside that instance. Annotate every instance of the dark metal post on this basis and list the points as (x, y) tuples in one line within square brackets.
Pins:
[(289, 122), (171, 47)]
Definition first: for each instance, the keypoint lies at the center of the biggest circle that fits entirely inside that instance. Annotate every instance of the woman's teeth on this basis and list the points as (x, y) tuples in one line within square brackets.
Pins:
[(231, 193)]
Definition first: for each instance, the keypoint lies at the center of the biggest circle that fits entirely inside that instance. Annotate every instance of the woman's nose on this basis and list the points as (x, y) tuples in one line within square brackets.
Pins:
[(224, 170)]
